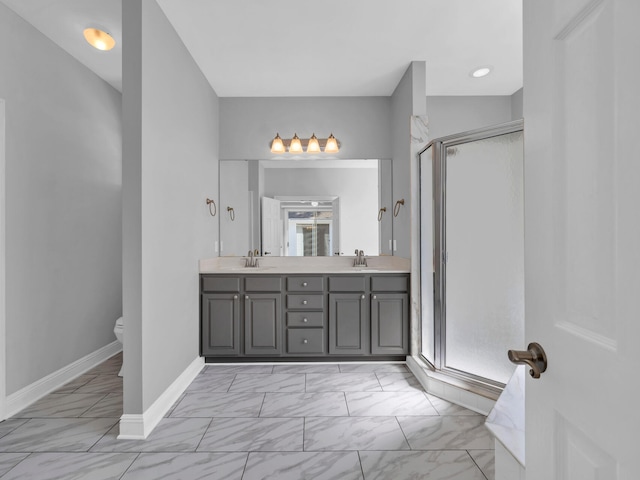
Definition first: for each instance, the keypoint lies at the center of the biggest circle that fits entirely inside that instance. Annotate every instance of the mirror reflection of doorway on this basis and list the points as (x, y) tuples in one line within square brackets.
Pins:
[(309, 232), (301, 226)]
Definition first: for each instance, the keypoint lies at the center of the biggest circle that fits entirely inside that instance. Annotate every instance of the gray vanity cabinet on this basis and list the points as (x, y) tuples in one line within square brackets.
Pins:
[(348, 315), (262, 315), (389, 323), (298, 316), (389, 314), (220, 323)]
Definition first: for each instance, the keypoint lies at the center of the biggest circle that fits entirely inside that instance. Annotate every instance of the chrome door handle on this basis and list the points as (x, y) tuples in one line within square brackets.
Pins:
[(534, 356)]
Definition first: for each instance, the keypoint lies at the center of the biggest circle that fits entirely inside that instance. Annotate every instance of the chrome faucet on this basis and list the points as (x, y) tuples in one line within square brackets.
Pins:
[(251, 261), (360, 260)]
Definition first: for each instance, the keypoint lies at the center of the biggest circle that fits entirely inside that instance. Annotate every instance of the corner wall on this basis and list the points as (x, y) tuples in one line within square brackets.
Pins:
[(408, 100), (171, 119), (63, 205)]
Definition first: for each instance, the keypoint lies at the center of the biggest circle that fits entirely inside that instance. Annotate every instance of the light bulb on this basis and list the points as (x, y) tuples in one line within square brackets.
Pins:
[(276, 144), (296, 145), (313, 146), (99, 39), (332, 145)]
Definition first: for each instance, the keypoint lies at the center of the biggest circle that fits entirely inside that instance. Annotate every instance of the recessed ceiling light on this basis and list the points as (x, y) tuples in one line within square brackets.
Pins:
[(481, 72), (99, 39)]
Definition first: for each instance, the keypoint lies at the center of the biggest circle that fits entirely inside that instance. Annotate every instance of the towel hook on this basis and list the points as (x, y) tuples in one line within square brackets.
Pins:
[(232, 213), (396, 207), (215, 209), (382, 210)]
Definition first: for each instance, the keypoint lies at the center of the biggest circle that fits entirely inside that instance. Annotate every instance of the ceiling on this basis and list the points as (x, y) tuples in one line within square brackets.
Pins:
[(265, 48)]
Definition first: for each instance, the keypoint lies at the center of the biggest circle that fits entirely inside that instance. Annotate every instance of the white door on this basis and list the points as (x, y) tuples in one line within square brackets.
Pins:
[(271, 227), (582, 230), (335, 227)]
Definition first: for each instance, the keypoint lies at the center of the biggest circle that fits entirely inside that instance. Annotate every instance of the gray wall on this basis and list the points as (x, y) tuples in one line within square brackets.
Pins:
[(247, 125), (63, 205), (407, 100), (170, 166), (455, 114), (517, 99)]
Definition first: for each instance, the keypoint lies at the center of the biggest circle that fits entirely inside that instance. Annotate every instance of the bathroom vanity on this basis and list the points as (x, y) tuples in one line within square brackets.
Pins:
[(322, 310)]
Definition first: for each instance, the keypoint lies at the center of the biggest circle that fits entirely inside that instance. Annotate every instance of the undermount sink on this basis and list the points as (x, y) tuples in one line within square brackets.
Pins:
[(365, 269)]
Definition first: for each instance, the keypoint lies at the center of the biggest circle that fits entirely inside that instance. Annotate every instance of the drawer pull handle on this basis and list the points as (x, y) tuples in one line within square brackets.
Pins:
[(305, 320), (305, 341), (304, 284), (304, 302)]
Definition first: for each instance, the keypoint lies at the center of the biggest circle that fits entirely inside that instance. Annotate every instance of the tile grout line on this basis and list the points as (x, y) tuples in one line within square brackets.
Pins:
[(476, 464), (360, 461), (204, 434), (130, 465), (403, 434), (246, 462)]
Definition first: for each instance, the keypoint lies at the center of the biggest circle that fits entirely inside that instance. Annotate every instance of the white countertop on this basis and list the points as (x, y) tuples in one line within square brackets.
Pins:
[(305, 265)]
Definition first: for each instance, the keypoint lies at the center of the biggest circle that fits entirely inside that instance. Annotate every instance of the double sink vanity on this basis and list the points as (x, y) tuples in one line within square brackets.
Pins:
[(304, 309)]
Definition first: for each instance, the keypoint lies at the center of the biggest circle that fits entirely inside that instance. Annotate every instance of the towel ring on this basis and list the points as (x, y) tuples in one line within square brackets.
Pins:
[(232, 213), (382, 210), (215, 209), (396, 207)]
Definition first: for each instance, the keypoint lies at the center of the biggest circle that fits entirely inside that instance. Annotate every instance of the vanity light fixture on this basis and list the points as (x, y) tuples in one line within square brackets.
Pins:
[(297, 145), (481, 72), (332, 145), (98, 38), (314, 145)]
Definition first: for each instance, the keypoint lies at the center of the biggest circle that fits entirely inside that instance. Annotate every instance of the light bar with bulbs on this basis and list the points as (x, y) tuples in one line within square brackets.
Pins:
[(298, 145)]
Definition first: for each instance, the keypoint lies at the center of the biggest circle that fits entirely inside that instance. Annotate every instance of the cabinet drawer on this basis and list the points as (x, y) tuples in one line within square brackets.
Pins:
[(305, 319), (346, 284), (304, 284), (306, 302), (305, 340), (220, 284), (389, 284), (262, 284)]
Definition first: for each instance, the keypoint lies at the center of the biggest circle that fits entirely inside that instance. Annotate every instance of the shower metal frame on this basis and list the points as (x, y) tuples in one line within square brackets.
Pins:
[(439, 189)]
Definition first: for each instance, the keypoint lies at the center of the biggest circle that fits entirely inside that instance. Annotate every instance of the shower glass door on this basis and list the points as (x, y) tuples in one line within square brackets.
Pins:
[(477, 247)]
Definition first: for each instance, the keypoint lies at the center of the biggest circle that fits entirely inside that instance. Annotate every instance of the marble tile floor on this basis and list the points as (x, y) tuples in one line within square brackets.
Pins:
[(254, 422)]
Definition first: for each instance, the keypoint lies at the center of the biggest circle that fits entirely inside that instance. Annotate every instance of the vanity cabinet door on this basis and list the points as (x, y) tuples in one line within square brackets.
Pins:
[(389, 323), (262, 324), (348, 324), (220, 324)]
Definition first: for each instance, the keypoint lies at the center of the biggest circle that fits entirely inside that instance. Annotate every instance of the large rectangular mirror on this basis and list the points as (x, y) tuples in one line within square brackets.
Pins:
[(305, 207)]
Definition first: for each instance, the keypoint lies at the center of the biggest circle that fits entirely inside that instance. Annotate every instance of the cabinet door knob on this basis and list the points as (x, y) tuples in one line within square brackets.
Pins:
[(304, 302), (305, 320), (362, 297), (246, 297), (304, 284), (375, 296), (235, 297), (305, 341)]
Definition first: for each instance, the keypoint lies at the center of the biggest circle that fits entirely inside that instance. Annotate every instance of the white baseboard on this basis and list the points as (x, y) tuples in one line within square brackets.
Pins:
[(26, 396), (448, 391), (139, 426)]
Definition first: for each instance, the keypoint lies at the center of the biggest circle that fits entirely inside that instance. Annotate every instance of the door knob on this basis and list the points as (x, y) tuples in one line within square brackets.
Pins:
[(534, 356)]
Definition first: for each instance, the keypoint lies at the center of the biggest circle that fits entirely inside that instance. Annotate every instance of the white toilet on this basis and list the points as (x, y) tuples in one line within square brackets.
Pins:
[(119, 330)]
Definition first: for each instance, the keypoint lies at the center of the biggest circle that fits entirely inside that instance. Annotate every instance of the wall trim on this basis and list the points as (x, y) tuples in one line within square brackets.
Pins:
[(26, 396), (447, 390), (139, 426)]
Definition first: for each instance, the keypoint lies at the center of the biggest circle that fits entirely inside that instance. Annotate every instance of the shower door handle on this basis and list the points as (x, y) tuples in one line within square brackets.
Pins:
[(534, 356)]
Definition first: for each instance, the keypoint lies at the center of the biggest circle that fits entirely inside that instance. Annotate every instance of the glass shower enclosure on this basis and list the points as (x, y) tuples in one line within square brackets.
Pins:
[(472, 253)]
